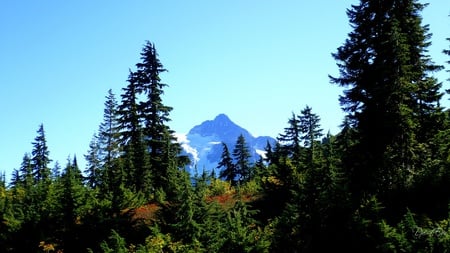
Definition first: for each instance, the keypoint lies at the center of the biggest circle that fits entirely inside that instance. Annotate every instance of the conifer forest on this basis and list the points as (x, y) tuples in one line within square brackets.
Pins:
[(382, 184)]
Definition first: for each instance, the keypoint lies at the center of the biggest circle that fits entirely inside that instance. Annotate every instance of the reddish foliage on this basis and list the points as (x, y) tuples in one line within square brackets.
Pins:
[(227, 200), (222, 199), (146, 213)]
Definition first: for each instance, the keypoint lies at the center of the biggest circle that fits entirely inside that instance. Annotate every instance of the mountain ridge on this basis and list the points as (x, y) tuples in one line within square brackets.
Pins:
[(203, 143)]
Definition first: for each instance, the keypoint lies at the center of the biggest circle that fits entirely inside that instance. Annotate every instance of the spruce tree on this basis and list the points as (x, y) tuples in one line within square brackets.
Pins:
[(40, 157), (291, 139), (128, 112), (15, 179), (155, 115), (388, 92), (26, 173), (447, 52), (108, 141), (132, 138), (241, 155), (56, 171), (93, 169), (269, 153), (310, 132), (72, 201), (228, 170), (108, 130)]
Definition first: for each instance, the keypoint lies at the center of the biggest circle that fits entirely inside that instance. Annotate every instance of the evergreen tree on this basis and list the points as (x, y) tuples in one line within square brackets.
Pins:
[(108, 141), (132, 139), (228, 171), (330, 157), (291, 139), (128, 112), (241, 155), (15, 179), (72, 202), (93, 169), (56, 171), (269, 153), (389, 95), (447, 52), (26, 173), (242, 231), (310, 132), (186, 226), (108, 131), (259, 169), (155, 114), (40, 157)]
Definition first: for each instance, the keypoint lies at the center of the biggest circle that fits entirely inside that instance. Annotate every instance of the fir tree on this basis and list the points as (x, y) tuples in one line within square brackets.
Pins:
[(93, 169), (389, 95), (241, 156), (155, 114), (56, 171), (108, 131), (132, 138), (26, 173), (447, 52), (259, 169), (40, 157), (15, 179), (228, 170), (186, 226), (128, 112), (291, 138), (269, 153), (108, 141), (310, 132), (72, 202)]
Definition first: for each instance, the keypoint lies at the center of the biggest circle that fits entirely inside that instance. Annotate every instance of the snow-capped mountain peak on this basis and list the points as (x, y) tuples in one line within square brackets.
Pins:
[(203, 142)]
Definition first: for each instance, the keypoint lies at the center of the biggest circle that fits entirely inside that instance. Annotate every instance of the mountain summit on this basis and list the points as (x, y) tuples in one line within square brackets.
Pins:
[(203, 142), (221, 126)]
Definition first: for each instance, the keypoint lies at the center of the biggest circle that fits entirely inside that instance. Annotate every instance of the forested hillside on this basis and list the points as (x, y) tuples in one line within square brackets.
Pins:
[(382, 184)]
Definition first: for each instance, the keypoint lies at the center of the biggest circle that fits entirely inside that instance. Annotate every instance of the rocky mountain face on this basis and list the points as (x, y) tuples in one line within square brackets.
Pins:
[(203, 143)]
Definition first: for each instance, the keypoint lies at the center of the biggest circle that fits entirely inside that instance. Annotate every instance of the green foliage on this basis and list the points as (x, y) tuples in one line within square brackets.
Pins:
[(447, 52), (115, 244), (389, 94), (380, 184), (241, 155), (228, 171), (291, 139), (410, 235), (40, 157), (218, 187), (243, 232)]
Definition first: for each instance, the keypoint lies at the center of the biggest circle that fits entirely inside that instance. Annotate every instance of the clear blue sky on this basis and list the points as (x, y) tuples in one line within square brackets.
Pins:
[(255, 60)]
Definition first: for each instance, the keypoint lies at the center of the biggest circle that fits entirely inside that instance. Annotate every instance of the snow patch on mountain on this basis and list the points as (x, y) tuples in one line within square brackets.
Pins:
[(261, 153), (184, 142)]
